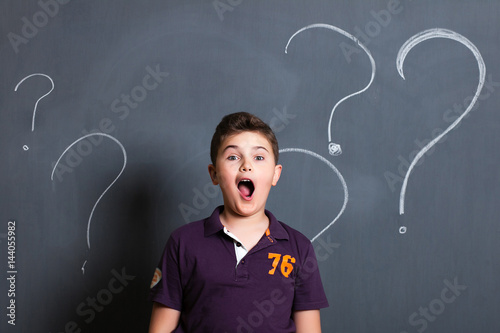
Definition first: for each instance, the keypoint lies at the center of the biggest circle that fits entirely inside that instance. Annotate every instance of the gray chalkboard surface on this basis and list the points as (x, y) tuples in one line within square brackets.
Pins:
[(387, 117)]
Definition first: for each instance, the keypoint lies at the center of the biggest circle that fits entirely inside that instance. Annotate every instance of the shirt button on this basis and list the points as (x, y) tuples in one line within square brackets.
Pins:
[(243, 261)]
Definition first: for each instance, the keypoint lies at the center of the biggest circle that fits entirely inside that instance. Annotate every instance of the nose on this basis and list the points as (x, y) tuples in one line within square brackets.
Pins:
[(246, 165)]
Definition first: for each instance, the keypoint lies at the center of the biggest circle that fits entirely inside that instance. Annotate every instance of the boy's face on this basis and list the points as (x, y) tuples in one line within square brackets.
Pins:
[(245, 171)]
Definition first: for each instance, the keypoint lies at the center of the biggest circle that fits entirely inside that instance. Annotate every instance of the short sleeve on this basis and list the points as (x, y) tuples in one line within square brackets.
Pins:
[(309, 292), (166, 285)]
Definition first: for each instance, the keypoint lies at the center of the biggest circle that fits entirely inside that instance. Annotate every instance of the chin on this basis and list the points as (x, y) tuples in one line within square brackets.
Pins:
[(244, 209), (251, 209)]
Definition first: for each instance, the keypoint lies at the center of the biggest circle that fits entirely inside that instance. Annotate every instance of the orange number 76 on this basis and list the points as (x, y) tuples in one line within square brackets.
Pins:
[(286, 264)]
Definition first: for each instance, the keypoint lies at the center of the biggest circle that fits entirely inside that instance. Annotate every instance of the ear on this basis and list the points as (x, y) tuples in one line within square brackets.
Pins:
[(213, 174), (277, 174)]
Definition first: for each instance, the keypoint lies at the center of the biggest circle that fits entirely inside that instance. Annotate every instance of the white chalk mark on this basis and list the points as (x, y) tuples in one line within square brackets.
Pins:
[(403, 51), (337, 172), (36, 104), (334, 148), (121, 171)]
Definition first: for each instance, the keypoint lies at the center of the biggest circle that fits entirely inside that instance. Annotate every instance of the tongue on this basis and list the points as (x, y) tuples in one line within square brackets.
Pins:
[(244, 189)]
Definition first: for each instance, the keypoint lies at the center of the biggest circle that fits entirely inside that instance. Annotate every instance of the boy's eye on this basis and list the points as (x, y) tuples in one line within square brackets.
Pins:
[(259, 158), (232, 158)]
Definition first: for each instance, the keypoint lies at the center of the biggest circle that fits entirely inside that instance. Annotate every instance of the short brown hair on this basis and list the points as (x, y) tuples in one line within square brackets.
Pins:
[(238, 122)]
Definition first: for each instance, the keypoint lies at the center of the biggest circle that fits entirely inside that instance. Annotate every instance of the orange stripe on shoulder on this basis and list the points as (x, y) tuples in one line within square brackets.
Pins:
[(156, 278)]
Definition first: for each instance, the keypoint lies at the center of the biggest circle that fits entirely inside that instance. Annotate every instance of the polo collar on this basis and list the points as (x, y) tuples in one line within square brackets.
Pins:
[(213, 224)]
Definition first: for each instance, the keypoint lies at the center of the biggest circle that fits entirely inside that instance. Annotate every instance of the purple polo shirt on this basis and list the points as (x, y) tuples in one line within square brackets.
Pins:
[(198, 276)]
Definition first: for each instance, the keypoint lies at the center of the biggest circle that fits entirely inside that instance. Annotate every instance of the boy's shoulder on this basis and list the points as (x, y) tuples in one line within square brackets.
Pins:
[(189, 229), (294, 234), (282, 230), (209, 224)]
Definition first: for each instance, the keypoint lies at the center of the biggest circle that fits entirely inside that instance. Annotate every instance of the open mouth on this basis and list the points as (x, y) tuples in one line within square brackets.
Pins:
[(246, 188)]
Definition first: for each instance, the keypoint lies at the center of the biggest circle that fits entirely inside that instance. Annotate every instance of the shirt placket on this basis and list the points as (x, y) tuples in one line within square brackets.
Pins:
[(241, 271)]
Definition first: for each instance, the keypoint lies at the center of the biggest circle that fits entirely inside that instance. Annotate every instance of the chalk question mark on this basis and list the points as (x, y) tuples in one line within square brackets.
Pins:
[(403, 51), (337, 172), (25, 147), (119, 174), (334, 148)]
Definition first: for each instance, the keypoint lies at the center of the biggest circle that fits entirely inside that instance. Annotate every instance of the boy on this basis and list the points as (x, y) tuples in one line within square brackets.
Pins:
[(239, 270)]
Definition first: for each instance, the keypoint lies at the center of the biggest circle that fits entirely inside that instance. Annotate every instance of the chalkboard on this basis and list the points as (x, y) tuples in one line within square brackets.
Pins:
[(386, 113)]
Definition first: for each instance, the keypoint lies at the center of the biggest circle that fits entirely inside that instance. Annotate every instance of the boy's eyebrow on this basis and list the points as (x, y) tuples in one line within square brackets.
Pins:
[(236, 147), (229, 147), (260, 147)]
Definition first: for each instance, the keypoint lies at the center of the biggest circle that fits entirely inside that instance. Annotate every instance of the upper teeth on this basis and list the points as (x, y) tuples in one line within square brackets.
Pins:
[(246, 180)]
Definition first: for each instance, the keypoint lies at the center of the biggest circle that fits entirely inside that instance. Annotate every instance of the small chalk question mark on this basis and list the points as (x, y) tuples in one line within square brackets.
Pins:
[(100, 197), (334, 148), (403, 52), (25, 147)]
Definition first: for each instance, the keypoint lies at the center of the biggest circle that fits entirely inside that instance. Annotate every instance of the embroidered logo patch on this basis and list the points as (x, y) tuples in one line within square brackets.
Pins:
[(156, 278)]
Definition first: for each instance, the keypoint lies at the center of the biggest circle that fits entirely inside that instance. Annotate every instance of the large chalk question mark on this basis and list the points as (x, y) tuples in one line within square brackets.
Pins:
[(403, 51), (337, 172), (25, 147), (119, 174), (334, 148)]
